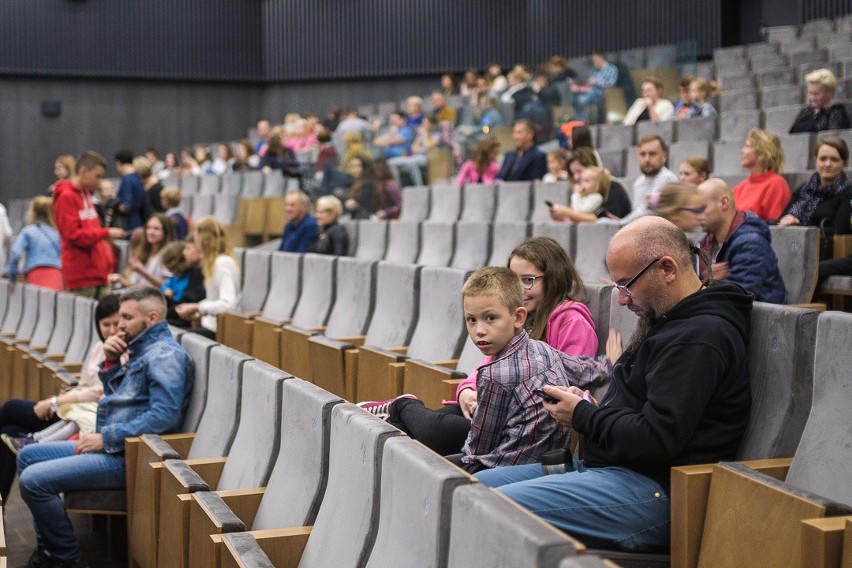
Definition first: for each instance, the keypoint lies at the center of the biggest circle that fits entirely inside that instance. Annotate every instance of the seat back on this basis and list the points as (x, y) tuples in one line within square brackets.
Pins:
[(440, 331), (696, 130), (403, 242), (514, 202), (620, 319), (189, 184), (483, 521), (372, 240), (597, 299), (256, 281), (423, 540), (4, 299), (252, 184), (258, 436), (346, 522), (318, 276), (225, 207), (555, 192), (823, 456), (438, 243), (416, 203), (781, 365), (285, 286), (61, 336), (273, 184), (232, 183), (504, 238), (446, 203), (29, 316), (46, 317), (299, 477), (397, 304), (81, 336), (199, 348), (14, 310), (473, 244), (222, 408), (354, 299), (209, 184), (563, 233), (797, 249), (592, 242)]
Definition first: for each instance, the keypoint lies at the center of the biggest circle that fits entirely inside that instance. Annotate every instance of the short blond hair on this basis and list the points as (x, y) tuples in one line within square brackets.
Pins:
[(330, 203), (496, 281), (824, 78), (767, 149), (171, 196)]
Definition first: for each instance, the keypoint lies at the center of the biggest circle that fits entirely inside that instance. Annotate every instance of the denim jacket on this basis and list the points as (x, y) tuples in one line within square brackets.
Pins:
[(40, 243), (148, 394)]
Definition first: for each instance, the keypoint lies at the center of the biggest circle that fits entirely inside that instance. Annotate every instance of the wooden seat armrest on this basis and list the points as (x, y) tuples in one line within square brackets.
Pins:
[(67, 379), (340, 343), (252, 315), (281, 548), (243, 502), (179, 442), (823, 541), (38, 349), (197, 474), (775, 467), (74, 367), (448, 363), (223, 507), (23, 341), (401, 349), (55, 357), (356, 340), (842, 246)]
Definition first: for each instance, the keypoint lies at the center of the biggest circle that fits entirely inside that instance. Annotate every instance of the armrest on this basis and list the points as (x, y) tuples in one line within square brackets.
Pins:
[(66, 378), (281, 548), (196, 474), (397, 354), (822, 541), (401, 349), (160, 447), (842, 246), (219, 511), (427, 381), (38, 348), (74, 367), (55, 357), (355, 340)]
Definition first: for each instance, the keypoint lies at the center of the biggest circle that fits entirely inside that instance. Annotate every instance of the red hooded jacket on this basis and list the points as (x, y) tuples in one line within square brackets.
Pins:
[(87, 256)]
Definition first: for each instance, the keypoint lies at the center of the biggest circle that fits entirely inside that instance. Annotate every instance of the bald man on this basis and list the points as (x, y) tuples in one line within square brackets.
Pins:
[(147, 395), (679, 395), (739, 245)]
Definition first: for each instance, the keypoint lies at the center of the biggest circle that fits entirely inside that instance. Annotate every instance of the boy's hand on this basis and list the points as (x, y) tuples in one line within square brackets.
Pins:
[(467, 403)]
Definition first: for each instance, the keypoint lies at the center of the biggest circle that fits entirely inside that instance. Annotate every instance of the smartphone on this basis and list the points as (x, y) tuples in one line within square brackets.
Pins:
[(545, 397), (548, 202)]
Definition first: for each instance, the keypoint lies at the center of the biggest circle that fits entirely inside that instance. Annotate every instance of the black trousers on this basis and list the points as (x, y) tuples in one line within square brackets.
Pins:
[(16, 419)]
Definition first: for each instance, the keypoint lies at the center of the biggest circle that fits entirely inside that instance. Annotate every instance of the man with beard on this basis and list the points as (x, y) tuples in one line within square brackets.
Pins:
[(652, 162), (147, 395), (679, 395)]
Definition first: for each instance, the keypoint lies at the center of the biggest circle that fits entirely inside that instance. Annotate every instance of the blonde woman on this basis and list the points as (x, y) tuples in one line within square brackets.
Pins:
[(39, 242), (681, 204), (208, 243), (820, 114), (764, 192)]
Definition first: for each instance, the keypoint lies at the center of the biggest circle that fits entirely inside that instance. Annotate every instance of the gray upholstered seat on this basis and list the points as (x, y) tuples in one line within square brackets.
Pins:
[(416, 202), (597, 298), (423, 540), (746, 81), (252, 184), (256, 268), (473, 244), (225, 206), (439, 333), (202, 206), (738, 100), (614, 160), (189, 184), (775, 77), (317, 297), (614, 136), (14, 309), (681, 150), (29, 315), (273, 184), (798, 148), (781, 95), (695, 129), (284, 286), (372, 240), (397, 293), (403, 242), (563, 233), (438, 243), (797, 249), (663, 129), (592, 242), (555, 192), (209, 184), (354, 298), (513, 201), (726, 158), (446, 203), (781, 365), (232, 183), (479, 202), (61, 335), (734, 125), (46, 318), (778, 120), (483, 522), (199, 348), (504, 238), (584, 561)]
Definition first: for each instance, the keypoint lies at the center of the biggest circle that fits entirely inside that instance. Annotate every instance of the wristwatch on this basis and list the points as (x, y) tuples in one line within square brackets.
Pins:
[(54, 404)]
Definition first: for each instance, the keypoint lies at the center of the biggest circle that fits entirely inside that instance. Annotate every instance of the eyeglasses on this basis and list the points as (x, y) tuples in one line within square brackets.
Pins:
[(696, 210), (529, 281), (624, 288)]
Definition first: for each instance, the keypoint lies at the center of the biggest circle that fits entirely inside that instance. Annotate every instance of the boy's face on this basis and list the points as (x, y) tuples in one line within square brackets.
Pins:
[(490, 324)]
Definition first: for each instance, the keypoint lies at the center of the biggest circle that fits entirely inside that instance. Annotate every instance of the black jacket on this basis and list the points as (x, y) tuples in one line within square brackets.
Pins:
[(683, 396)]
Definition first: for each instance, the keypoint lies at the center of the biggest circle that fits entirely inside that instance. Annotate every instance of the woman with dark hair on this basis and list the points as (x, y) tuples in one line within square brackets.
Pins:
[(21, 420), (245, 160), (482, 167), (581, 137), (365, 193), (391, 202), (145, 267), (616, 201), (279, 157), (826, 199), (553, 292)]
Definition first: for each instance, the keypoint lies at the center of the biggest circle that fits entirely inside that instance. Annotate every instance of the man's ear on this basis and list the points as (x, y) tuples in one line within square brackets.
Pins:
[(520, 317), (669, 267)]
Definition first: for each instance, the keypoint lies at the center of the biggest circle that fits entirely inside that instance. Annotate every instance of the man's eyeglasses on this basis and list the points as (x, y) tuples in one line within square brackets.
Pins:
[(696, 210), (529, 281), (624, 288)]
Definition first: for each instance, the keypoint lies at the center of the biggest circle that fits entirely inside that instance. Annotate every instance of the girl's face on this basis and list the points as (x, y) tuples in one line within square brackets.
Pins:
[(242, 152), (576, 169), (60, 171), (533, 296), (695, 93), (222, 150), (554, 166), (108, 326), (154, 232), (200, 155), (170, 160), (690, 175), (191, 253), (588, 182), (356, 167)]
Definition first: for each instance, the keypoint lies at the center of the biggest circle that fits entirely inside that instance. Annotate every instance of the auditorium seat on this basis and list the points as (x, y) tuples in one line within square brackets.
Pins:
[(216, 430), (56, 347), (746, 99), (416, 203), (695, 130), (778, 120), (681, 150), (38, 343), (391, 325), (209, 184), (285, 288), (273, 184), (225, 207), (734, 125), (483, 522), (614, 136), (737, 82), (781, 95), (232, 183), (727, 158), (563, 233), (798, 148), (230, 326), (252, 184), (446, 203), (433, 383), (479, 201), (372, 240), (797, 249), (423, 539), (248, 463), (78, 345), (296, 485), (504, 238), (597, 299), (437, 243), (810, 485), (592, 242), (776, 77), (513, 201), (344, 531), (473, 244), (189, 184), (664, 130), (354, 299), (555, 192), (403, 242), (23, 333), (614, 161)]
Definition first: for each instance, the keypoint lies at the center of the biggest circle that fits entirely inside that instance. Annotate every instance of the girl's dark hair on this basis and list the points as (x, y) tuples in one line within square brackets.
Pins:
[(581, 137), (561, 280), (107, 306)]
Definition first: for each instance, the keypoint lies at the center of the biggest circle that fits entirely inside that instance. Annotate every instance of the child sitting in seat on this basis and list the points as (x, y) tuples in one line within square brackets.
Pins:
[(170, 199), (510, 425), (557, 166), (186, 285), (591, 191)]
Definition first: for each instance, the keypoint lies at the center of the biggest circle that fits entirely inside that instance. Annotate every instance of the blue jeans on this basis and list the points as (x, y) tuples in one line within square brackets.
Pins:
[(50, 468), (584, 102), (608, 507)]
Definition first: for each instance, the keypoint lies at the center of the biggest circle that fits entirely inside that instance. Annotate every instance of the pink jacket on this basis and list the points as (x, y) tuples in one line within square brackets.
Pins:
[(570, 329), (468, 173)]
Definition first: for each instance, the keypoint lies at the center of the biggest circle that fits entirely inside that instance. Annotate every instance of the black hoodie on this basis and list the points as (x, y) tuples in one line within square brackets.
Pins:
[(683, 396)]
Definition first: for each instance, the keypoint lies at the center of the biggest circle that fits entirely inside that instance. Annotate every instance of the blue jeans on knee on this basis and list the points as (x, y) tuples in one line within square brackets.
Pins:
[(606, 507), (50, 468)]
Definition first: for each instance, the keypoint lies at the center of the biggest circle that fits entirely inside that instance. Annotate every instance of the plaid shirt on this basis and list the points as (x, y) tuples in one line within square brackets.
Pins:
[(604, 77), (511, 426)]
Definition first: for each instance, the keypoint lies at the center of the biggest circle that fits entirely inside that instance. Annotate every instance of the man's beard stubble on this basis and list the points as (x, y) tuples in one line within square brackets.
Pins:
[(646, 322)]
